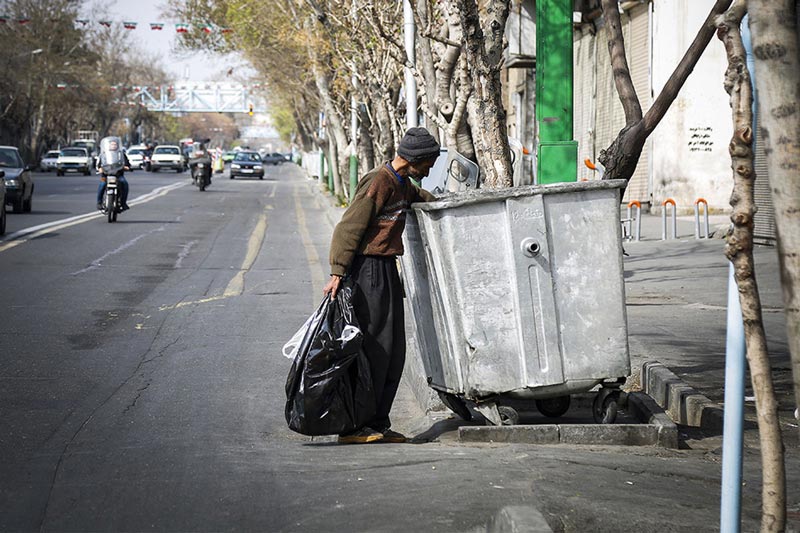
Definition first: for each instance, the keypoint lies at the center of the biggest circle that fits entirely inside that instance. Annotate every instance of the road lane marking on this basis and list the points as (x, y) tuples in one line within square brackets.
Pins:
[(24, 235), (314, 264), (97, 263), (183, 254), (235, 286)]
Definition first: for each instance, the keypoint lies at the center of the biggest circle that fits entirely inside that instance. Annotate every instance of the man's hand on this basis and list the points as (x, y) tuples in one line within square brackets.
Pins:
[(333, 285)]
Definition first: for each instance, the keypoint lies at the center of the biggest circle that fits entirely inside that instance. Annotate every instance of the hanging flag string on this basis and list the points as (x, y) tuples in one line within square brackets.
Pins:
[(180, 27)]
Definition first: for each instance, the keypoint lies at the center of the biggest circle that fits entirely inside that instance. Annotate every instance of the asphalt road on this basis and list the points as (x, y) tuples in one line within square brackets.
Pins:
[(142, 387)]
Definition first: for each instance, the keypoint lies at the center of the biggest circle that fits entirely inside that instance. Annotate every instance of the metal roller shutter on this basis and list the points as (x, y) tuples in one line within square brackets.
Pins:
[(637, 46), (583, 102), (764, 220), (609, 116)]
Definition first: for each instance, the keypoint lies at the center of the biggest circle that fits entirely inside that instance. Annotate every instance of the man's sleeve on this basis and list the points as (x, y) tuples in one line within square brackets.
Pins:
[(424, 196), (349, 232)]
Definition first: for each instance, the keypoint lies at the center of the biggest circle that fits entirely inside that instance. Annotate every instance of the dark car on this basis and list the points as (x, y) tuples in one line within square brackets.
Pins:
[(18, 180), (2, 203), (247, 164), (274, 159)]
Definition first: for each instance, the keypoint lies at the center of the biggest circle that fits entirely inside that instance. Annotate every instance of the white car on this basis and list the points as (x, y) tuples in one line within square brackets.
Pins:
[(49, 161), (74, 158), (137, 155), (167, 156)]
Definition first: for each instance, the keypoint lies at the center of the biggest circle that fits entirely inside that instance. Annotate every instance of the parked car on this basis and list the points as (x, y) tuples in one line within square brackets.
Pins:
[(139, 156), (228, 156), (74, 158), (49, 161), (167, 156), (18, 180), (274, 159), (247, 164), (2, 203)]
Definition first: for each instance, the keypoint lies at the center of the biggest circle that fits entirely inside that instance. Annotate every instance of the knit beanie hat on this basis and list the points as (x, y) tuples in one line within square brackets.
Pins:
[(418, 145)]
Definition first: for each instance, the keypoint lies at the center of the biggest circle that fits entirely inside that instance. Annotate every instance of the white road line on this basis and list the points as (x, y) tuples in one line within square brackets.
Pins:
[(24, 235), (97, 263)]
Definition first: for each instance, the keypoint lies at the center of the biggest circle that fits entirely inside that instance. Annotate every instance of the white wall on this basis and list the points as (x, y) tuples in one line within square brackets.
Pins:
[(690, 146)]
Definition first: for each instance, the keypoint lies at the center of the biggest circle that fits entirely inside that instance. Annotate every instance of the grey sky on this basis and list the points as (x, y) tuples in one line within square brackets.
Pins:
[(161, 44)]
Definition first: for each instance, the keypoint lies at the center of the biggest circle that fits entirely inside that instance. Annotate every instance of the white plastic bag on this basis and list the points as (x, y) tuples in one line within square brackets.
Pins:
[(290, 348)]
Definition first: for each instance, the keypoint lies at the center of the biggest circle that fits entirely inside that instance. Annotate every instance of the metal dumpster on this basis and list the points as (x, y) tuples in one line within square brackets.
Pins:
[(518, 294)]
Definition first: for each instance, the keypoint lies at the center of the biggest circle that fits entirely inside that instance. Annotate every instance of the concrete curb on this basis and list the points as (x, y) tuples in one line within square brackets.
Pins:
[(684, 404), (518, 519), (656, 429)]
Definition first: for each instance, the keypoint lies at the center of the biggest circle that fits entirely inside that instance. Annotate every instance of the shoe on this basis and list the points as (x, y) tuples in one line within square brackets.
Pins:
[(361, 436), (396, 437), (100, 206), (125, 207)]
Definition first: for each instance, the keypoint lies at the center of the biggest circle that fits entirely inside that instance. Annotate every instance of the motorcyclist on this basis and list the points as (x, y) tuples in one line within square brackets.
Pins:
[(200, 154), (110, 150)]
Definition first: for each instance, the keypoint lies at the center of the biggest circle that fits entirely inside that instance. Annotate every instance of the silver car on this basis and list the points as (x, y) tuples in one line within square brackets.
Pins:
[(49, 161)]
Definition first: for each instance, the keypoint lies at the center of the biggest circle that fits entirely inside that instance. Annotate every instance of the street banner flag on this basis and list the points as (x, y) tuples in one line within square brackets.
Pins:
[(106, 23), (182, 28), (3, 19), (82, 22), (225, 30), (207, 28), (156, 26), (23, 21), (130, 25), (61, 86)]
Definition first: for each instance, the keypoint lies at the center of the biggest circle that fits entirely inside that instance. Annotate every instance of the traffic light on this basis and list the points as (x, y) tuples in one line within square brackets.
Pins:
[(250, 109)]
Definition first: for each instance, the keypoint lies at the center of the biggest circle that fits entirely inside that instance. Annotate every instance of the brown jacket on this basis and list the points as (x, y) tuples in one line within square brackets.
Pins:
[(375, 220)]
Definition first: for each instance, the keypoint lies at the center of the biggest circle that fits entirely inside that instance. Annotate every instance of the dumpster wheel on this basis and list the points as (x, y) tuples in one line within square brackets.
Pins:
[(605, 406), (455, 404), (553, 407), (508, 415)]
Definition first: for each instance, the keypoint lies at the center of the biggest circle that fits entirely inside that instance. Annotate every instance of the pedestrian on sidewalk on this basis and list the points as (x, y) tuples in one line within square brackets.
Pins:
[(364, 250)]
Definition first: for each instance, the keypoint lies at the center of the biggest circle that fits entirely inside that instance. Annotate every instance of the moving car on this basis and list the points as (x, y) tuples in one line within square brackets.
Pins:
[(247, 164), (74, 158), (18, 180), (49, 161), (167, 156), (139, 156), (274, 159)]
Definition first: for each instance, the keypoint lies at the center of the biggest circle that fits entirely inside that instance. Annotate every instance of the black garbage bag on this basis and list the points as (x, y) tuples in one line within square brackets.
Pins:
[(329, 387)]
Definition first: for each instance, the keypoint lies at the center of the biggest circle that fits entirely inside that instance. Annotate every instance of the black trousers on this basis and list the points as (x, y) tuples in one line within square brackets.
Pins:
[(378, 304)]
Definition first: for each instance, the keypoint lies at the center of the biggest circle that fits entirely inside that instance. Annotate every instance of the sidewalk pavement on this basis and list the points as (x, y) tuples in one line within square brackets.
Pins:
[(676, 294)]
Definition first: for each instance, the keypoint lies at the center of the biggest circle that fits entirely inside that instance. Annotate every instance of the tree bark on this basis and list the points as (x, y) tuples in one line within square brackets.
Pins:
[(775, 47), (484, 53), (739, 250), (620, 159)]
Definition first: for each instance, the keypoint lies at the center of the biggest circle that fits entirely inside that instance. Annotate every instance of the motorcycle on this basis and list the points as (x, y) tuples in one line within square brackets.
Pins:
[(200, 166), (112, 167)]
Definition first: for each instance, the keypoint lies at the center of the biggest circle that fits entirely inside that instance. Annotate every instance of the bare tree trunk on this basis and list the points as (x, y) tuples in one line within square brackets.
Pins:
[(775, 46), (620, 159), (426, 64), (739, 251), (484, 52), (366, 146)]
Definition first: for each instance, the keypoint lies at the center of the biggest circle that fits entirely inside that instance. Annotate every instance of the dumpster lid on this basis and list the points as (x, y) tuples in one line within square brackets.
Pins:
[(491, 195)]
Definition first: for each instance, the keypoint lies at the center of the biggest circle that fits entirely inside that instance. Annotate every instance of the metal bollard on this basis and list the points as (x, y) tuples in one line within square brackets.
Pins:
[(664, 219), (697, 203), (638, 218)]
